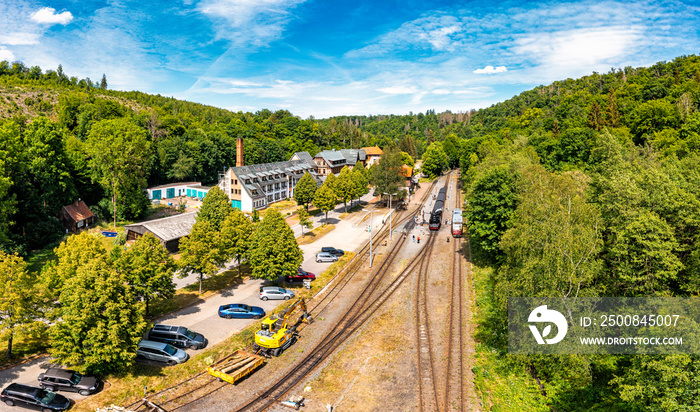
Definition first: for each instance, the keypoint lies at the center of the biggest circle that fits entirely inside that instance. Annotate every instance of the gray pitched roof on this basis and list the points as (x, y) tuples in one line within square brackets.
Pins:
[(269, 170), (331, 155), (167, 228), (305, 156)]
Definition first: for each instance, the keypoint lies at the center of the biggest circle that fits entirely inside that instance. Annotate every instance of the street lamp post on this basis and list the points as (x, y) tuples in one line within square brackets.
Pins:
[(390, 195)]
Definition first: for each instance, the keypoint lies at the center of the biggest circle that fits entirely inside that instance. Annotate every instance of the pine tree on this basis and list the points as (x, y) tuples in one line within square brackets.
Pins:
[(274, 251), (103, 82)]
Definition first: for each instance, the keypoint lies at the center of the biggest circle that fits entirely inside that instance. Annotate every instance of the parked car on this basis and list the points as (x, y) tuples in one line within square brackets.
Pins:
[(56, 379), (241, 311), (161, 352), (178, 336), (300, 276), (333, 251), (34, 398), (325, 257), (275, 292)]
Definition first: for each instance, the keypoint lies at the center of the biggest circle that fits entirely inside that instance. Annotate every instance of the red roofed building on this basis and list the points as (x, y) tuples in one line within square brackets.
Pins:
[(76, 216)]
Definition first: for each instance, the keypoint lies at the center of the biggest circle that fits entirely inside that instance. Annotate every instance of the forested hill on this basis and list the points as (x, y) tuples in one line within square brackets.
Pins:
[(53, 128), (587, 187)]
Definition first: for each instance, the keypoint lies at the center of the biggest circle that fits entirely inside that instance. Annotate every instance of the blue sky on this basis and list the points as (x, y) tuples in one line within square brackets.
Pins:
[(335, 57)]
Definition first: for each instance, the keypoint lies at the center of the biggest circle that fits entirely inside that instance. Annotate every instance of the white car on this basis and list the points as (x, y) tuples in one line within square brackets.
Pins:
[(275, 292), (326, 257)]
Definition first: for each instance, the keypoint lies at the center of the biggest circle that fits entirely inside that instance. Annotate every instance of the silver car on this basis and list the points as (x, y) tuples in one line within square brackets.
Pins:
[(275, 292), (326, 257), (161, 352)]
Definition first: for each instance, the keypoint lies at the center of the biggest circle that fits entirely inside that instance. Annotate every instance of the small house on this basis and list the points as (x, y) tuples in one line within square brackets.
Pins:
[(76, 216)]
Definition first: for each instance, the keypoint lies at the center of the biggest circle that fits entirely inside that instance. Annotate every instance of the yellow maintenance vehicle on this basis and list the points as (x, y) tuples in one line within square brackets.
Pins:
[(277, 333)]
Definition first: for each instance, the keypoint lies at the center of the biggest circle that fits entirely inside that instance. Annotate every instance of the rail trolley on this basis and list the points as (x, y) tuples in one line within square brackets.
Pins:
[(457, 223)]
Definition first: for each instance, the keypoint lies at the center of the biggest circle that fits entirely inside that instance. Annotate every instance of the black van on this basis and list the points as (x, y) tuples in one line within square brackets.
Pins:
[(34, 398), (178, 336)]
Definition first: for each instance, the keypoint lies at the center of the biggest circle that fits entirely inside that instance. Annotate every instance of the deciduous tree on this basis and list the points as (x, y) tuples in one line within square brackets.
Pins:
[(325, 199), (385, 176), (118, 153), (359, 183), (274, 251), (216, 207), (304, 220), (235, 236), (16, 309), (492, 203), (435, 160), (305, 190), (100, 324), (149, 269), (201, 252), (344, 186)]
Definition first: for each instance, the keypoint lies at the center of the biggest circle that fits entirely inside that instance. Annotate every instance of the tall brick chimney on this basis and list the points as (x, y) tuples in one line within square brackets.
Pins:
[(239, 152)]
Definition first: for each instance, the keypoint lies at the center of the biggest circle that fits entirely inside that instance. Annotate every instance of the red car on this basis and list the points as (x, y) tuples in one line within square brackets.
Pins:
[(300, 276)]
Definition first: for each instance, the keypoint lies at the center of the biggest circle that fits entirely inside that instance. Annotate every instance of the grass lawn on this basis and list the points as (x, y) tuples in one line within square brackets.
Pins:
[(314, 234)]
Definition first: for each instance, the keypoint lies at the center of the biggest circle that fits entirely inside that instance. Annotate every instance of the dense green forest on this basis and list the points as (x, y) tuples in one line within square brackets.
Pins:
[(591, 187)]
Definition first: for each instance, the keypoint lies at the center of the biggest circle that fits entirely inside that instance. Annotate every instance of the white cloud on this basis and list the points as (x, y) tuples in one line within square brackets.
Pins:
[(6, 54), (19, 39), (398, 90), (249, 22), (47, 15), (579, 47), (491, 70)]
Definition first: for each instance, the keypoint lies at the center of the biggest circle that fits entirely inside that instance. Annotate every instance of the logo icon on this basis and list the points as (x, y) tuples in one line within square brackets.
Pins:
[(541, 314)]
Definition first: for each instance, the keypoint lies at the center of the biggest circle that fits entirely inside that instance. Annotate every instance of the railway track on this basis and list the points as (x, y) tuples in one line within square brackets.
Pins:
[(365, 305), (185, 393), (454, 389), (427, 383), (441, 383)]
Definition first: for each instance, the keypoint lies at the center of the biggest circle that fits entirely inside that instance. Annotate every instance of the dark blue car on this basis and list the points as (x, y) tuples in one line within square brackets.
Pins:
[(240, 311)]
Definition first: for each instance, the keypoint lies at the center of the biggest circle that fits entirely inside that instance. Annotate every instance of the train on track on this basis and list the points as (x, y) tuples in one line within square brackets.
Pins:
[(436, 215), (457, 223)]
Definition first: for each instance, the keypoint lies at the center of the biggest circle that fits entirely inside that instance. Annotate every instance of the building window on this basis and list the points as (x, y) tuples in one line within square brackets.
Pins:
[(269, 198), (235, 182)]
